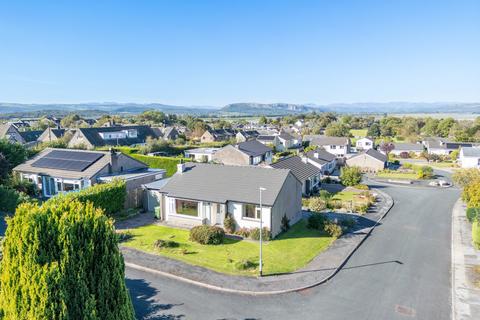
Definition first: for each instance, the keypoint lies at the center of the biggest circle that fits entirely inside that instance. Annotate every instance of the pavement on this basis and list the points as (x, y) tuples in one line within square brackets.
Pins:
[(322, 268), (401, 271), (465, 281)]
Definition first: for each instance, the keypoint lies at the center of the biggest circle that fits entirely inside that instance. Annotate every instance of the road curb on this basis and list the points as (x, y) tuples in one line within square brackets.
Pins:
[(387, 208)]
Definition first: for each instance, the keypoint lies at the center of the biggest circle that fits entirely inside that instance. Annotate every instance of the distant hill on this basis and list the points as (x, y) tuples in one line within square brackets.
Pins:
[(266, 109), (403, 107)]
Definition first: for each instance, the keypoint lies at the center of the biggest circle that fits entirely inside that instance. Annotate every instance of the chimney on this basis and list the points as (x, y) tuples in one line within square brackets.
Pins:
[(114, 160), (315, 155), (305, 159), (181, 167)]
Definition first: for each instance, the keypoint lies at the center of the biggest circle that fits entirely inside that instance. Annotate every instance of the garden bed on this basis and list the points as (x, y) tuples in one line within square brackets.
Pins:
[(290, 251)]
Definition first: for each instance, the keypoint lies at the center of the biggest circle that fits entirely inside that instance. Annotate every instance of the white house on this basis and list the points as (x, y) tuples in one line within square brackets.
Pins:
[(469, 157), (323, 160), (339, 146), (364, 144), (201, 154)]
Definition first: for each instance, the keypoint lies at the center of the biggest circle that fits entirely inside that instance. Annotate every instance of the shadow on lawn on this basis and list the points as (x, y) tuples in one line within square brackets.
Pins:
[(142, 295)]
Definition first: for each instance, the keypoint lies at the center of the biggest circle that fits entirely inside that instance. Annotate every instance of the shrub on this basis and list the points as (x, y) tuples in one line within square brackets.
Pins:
[(327, 180), (316, 204), (404, 155), (10, 199), (361, 187), (473, 214), (325, 195), (350, 176), (243, 232), (229, 223), (207, 234), (108, 196), (316, 221), (285, 223), (471, 194), (24, 186), (255, 234), (124, 236), (245, 265), (333, 229), (424, 172), (476, 234), (363, 208), (348, 223), (161, 244)]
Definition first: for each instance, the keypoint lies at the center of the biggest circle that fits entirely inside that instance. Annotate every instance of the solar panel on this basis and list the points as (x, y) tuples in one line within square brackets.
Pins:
[(67, 160)]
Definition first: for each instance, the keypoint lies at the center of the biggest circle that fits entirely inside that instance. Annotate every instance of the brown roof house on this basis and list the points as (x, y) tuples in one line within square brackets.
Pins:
[(215, 135), (369, 161), (245, 153), (64, 170)]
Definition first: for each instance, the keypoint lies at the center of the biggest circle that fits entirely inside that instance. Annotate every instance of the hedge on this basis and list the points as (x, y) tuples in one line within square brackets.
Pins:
[(473, 214), (476, 234), (10, 199), (108, 196), (167, 163)]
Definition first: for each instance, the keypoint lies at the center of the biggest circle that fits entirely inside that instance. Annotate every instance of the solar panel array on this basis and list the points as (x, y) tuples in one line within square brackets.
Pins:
[(67, 160)]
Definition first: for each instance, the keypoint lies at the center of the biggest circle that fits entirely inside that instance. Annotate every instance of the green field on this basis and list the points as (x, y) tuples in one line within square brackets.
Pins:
[(397, 175), (289, 252), (361, 133)]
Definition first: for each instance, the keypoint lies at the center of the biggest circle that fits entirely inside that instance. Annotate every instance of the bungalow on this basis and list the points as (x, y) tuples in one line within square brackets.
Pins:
[(442, 146), (469, 157), (288, 141), (56, 171), (369, 161), (308, 174), (269, 140), (216, 135), (168, 133), (323, 160), (409, 148), (92, 138), (364, 144), (201, 154), (339, 146), (246, 135), (11, 133), (53, 134), (245, 153), (205, 193)]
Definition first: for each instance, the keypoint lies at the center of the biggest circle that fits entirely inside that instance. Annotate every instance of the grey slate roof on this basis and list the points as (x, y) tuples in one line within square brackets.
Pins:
[(222, 183), (93, 135), (300, 169), (266, 137), (321, 140), (222, 133), (286, 136), (408, 146), (377, 155), (471, 151), (323, 156), (32, 135), (253, 148)]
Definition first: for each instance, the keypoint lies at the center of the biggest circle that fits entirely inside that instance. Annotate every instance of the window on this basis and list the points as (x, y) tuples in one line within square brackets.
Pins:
[(189, 208), (333, 147), (251, 211)]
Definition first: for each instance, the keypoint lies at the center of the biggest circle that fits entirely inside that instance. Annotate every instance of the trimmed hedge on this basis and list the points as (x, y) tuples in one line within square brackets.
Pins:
[(167, 163), (476, 234), (207, 234), (473, 214), (108, 196)]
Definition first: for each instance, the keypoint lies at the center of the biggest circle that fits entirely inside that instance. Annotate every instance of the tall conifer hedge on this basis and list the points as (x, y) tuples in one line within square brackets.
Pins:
[(61, 261)]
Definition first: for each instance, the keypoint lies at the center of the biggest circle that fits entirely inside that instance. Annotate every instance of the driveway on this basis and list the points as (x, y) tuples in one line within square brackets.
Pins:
[(401, 271)]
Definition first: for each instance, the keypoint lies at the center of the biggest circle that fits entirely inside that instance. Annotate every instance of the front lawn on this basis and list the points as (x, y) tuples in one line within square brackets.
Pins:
[(397, 175), (289, 252)]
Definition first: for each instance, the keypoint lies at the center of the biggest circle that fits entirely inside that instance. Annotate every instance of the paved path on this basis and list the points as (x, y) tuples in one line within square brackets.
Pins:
[(466, 295), (319, 270), (402, 271)]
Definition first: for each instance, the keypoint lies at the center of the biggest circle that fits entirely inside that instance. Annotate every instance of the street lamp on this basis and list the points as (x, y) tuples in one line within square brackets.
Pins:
[(261, 229)]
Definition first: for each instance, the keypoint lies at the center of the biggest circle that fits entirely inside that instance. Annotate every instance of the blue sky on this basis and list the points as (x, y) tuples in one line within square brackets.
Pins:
[(219, 52)]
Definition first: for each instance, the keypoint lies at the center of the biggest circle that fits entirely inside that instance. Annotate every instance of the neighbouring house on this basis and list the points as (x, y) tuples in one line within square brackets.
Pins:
[(170, 133), (55, 171), (339, 146), (288, 141), (201, 154), (368, 161), (53, 134), (269, 140), (323, 160), (308, 174), (205, 193), (469, 157), (408, 148), (11, 133), (364, 144), (215, 135), (30, 137), (246, 135), (245, 153), (442, 147), (92, 138)]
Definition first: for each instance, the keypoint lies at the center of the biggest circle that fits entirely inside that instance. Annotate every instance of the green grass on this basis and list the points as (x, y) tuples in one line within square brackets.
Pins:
[(359, 132), (167, 163), (443, 164), (397, 175), (348, 196), (289, 252)]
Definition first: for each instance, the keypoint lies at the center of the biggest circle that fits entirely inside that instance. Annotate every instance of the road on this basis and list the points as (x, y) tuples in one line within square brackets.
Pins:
[(402, 271)]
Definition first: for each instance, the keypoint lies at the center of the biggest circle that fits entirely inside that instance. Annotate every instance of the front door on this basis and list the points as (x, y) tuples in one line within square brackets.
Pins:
[(207, 209), (218, 214)]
